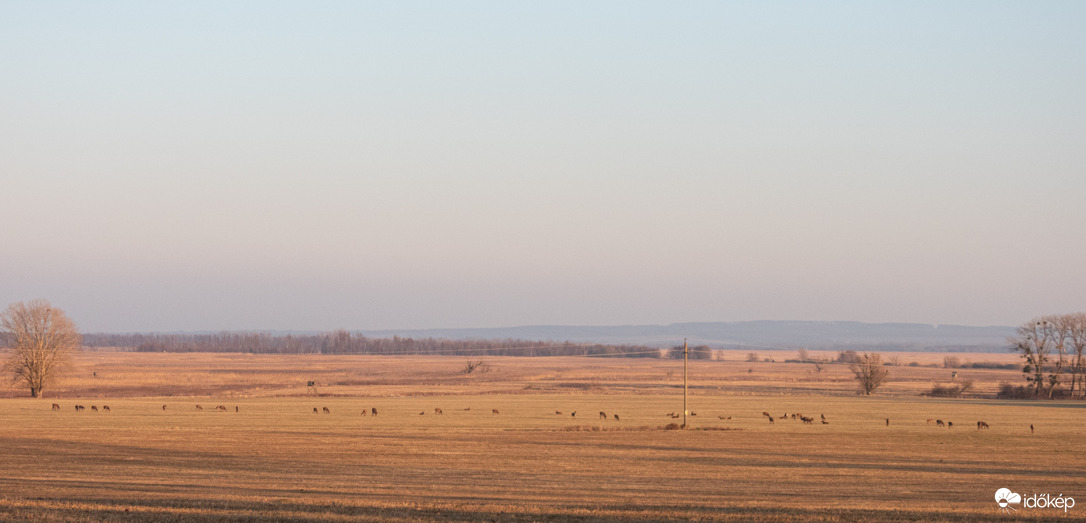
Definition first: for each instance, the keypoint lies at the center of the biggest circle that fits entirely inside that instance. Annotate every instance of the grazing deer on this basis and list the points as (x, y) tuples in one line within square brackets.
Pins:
[(795, 416), (806, 420), (94, 408), (79, 408), (982, 425), (887, 422), (616, 417), (724, 418), (56, 406), (692, 413), (438, 410), (199, 407), (784, 416), (950, 424), (326, 411), (939, 423), (493, 411), (603, 415), (573, 414), (931, 421), (823, 417), (1031, 428), (824, 422), (221, 408), (365, 412), (315, 411), (105, 408), (467, 408), (558, 412), (422, 413), (237, 408), (770, 419), (163, 407), (373, 411), (766, 414)]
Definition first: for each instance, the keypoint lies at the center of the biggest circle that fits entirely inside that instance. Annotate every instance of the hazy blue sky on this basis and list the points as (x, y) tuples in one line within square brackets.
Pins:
[(320, 165)]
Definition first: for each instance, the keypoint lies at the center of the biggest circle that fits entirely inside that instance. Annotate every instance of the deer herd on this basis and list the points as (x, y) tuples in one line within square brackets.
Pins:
[(372, 411), (81, 408), (796, 416)]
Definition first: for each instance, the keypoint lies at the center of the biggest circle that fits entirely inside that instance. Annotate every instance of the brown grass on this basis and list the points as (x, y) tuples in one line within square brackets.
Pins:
[(276, 460)]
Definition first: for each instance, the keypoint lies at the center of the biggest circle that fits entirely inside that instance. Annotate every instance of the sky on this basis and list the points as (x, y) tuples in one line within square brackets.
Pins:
[(195, 166)]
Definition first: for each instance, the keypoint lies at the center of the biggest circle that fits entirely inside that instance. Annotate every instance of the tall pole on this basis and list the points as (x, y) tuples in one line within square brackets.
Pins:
[(685, 352)]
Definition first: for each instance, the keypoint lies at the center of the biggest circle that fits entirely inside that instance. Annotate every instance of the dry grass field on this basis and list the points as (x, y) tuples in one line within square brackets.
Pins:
[(270, 457)]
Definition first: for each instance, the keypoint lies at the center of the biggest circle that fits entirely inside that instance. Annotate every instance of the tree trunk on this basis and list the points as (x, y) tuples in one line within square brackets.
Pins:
[(34, 392)]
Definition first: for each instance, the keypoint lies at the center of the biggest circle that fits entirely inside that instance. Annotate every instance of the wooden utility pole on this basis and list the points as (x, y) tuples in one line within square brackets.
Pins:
[(685, 352)]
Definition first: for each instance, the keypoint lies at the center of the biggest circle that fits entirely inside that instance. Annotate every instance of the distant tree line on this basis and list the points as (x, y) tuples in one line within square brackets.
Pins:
[(697, 352), (345, 342)]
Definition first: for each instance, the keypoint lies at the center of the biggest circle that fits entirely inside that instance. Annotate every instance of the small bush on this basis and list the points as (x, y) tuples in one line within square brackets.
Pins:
[(1014, 392), (472, 366), (848, 356), (950, 390), (672, 426)]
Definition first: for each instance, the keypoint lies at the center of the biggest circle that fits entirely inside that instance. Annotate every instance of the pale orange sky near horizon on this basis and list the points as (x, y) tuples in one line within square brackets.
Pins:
[(271, 165)]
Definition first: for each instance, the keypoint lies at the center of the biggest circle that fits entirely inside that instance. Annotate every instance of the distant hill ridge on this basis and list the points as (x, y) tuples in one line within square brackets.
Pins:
[(764, 335)]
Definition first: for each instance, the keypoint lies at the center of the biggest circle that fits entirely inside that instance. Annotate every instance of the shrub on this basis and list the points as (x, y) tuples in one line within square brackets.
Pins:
[(472, 366), (1015, 392), (950, 390), (848, 356)]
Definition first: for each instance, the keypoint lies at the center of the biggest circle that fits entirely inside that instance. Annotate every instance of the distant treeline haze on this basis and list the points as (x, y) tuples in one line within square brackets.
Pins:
[(344, 342)]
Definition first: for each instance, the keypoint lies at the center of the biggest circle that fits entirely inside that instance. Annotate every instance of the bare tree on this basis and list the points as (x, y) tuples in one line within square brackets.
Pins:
[(869, 371), (1076, 338), (1035, 342), (42, 340), (1064, 324)]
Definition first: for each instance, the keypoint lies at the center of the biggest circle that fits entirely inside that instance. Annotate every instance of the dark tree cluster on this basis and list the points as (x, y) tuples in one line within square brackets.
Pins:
[(697, 352)]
